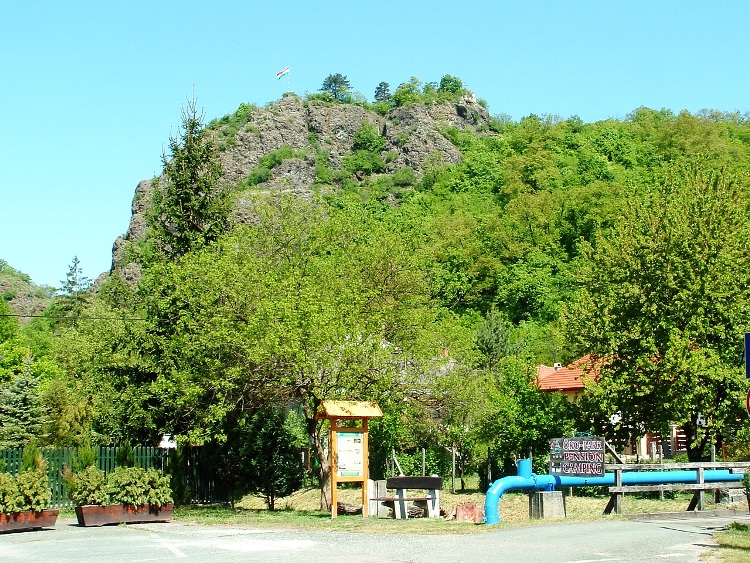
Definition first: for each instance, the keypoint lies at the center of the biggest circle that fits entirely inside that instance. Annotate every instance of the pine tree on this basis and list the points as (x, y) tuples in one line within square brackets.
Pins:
[(21, 412), (190, 210)]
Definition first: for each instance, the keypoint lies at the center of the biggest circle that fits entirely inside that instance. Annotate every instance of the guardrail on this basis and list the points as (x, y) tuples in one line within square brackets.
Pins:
[(700, 485)]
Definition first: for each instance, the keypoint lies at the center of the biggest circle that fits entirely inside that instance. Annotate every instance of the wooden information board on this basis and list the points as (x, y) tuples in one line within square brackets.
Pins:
[(349, 445)]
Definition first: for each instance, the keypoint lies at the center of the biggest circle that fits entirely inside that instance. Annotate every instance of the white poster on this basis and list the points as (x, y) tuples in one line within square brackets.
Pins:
[(351, 454)]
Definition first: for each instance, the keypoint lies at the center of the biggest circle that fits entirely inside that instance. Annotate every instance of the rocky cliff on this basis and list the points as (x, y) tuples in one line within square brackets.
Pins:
[(411, 134)]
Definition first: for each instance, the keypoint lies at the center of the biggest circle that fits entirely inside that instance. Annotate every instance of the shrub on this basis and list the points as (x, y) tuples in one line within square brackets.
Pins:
[(363, 161), (125, 485), (9, 497), (158, 490), (86, 486), (368, 138), (33, 489)]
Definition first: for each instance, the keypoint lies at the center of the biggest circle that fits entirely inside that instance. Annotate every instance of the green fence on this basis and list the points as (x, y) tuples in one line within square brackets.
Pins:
[(201, 484)]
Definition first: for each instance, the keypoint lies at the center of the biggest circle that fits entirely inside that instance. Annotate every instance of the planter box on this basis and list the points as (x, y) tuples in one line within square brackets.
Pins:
[(28, 520), (100, 515)]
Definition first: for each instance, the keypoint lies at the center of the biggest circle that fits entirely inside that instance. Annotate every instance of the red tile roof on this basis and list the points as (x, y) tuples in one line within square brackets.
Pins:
[(568, 378)]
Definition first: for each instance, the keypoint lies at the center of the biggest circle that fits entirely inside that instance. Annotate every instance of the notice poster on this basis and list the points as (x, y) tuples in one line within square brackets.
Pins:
[(351, 454), (577, 457)]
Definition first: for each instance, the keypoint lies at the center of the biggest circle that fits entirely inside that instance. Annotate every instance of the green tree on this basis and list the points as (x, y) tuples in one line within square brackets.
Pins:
[(311, 302), (665, 299), (8, 323), (22, 415), (73, 296), (495, 337), (337, 86), (190, 209), (383, 92), (521, 419), (271, 455), (461, 402), (408, 92), (450, 84)]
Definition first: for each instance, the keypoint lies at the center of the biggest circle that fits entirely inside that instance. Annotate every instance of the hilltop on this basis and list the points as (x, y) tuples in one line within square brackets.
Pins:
[(295, 145), (21, 294)]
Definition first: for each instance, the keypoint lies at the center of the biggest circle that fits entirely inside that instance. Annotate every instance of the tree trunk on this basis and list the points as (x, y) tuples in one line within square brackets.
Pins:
[(310, 408), (695, 446), (325, 476)]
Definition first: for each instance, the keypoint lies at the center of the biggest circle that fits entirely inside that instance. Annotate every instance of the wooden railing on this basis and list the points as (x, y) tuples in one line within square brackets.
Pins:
[(699, 487)]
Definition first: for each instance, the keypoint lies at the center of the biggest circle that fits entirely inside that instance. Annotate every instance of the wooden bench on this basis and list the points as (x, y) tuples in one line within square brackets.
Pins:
[(699, 488), (429, 500)]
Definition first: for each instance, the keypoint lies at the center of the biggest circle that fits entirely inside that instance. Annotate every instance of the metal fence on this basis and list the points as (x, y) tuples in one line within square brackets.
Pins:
[(200, 482)]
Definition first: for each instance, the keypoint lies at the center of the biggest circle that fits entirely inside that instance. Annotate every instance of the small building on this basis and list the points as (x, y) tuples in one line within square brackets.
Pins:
[(569, 380)]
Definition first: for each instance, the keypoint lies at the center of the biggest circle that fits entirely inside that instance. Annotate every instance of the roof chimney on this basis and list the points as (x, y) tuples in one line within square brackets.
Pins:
[(557, 366)]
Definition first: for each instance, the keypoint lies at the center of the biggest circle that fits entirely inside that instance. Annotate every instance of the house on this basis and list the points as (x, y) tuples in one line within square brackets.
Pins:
[(569, 380)]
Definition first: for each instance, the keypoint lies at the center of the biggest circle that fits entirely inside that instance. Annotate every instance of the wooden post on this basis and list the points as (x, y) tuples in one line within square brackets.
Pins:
[(618, 498), (698, 497)]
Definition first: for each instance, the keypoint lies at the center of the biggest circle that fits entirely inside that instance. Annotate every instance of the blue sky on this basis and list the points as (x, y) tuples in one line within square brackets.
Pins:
[(91, 90)]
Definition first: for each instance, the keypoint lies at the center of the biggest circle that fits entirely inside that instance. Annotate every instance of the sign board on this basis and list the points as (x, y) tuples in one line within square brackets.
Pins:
[(747, 402), (348, 445), (582, 456), (351, 454)]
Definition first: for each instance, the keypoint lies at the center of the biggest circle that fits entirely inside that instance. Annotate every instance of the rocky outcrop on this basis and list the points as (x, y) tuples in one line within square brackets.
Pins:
[(412, 137)]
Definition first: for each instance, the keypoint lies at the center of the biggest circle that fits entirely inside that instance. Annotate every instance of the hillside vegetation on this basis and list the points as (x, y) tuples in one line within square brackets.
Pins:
[(419, 252)]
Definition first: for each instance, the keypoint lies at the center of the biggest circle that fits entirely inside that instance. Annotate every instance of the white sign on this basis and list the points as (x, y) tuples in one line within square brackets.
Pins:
[(351, 454)]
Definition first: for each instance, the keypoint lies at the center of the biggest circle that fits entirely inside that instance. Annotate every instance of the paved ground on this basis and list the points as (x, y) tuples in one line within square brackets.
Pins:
[(654, 539)]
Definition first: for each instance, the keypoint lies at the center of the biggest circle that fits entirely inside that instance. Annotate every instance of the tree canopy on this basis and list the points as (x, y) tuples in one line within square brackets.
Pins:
[(190, 208), (663, 305), (434, 290)]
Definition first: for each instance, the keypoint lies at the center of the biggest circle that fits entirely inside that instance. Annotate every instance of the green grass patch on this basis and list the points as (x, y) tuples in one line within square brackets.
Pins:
[(301, 511), (734, 544)]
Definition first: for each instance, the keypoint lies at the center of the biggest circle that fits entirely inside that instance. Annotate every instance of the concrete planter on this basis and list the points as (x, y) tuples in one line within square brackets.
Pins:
[(28, 520), (101, 515)]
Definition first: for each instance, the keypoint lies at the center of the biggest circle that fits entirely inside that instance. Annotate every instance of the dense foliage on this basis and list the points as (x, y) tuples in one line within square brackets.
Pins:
[(434, 292)]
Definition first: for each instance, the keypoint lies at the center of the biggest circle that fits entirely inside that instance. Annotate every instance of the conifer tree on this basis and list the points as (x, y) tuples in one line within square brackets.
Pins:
[(21, 412), (190, 209)]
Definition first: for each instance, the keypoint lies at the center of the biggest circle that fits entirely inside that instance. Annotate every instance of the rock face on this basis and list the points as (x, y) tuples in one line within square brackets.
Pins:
[(412, 135), (22, 296)]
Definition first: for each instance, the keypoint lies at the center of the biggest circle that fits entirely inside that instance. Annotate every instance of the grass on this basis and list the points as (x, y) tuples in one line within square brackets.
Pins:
[(734, 544), (301, 511)]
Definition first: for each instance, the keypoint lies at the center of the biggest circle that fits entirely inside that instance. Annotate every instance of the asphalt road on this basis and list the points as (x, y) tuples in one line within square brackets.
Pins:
[(649, 540)]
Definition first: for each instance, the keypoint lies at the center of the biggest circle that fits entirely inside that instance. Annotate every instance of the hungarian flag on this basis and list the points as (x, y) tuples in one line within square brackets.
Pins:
[(282, 72)]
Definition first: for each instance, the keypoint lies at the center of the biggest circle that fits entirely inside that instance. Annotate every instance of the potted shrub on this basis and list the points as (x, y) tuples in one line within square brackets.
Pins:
[(24, 499), (128, 494)]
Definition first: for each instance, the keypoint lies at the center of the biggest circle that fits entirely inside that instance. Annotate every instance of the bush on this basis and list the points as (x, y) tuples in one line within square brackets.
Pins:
[(86, 486), (9, 498), (158, 490), (33, 489), (30, 489), (125, 485)]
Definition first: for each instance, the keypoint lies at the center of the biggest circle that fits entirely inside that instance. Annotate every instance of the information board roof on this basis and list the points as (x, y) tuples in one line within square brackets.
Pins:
[(349, 409)]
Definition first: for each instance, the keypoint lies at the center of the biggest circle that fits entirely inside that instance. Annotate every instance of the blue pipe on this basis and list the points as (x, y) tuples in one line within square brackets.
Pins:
[(526, 480)]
